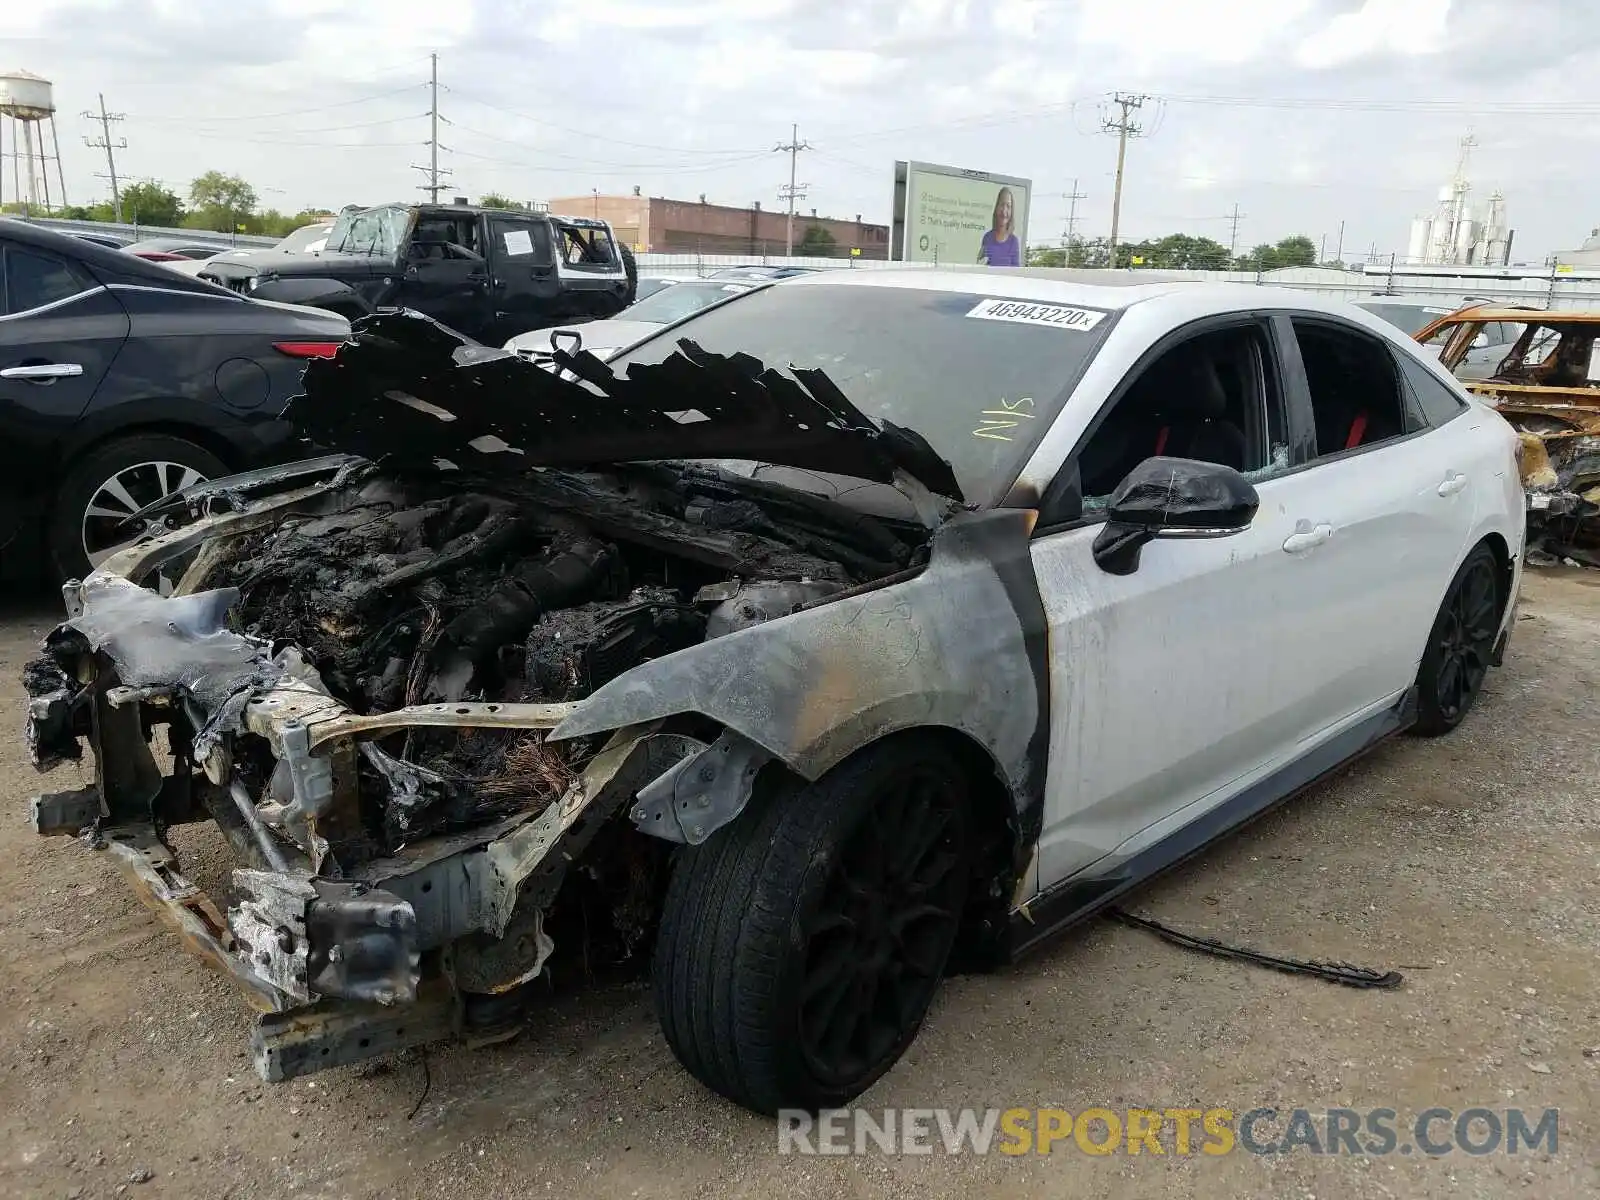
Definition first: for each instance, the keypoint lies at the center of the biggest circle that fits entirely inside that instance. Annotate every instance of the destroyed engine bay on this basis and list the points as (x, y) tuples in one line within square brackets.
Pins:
[(433, 587), (451, 702)]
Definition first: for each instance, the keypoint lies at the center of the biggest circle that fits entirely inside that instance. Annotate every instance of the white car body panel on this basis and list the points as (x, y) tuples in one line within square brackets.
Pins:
[(1219, 661), (600, 338)]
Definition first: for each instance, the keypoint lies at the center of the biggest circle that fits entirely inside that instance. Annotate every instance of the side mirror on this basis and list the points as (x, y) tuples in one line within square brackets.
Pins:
[(1481, 342), (1172, 497)]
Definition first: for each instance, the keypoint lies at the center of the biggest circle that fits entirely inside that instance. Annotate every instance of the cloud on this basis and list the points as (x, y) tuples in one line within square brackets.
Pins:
[(1379, 27), (1276, 105)]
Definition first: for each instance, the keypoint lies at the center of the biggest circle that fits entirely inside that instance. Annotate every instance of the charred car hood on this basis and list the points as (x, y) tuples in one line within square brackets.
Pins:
[(321, 263), (406, 388)]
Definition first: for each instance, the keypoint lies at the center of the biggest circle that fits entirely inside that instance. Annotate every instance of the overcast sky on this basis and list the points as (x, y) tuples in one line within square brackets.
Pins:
[(1302, 112)]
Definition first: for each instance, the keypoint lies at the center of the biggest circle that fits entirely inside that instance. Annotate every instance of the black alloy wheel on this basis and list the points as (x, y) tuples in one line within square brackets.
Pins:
[(801, 945), (1460, 646), (876, 943)]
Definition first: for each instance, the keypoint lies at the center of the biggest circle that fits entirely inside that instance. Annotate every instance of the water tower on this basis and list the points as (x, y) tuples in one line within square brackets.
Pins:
[(27, 106)]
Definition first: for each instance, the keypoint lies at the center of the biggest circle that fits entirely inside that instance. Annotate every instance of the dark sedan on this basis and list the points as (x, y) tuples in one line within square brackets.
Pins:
[(122, 381)]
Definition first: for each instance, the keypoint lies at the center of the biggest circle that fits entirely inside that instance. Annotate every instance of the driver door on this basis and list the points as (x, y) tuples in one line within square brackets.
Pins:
[(445, 278), (451, 291), (1162, 680)]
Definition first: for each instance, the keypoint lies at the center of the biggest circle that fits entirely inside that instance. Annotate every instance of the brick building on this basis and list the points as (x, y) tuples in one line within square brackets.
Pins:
[(657, 225)]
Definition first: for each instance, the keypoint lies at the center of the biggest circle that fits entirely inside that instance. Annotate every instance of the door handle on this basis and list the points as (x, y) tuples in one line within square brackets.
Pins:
[(42, 372), (1452, 484), (1307, 537)]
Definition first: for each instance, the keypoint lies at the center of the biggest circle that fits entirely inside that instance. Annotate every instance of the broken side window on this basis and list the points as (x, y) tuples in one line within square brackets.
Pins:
[(1204, 399), (520, 240), (1354, 385)]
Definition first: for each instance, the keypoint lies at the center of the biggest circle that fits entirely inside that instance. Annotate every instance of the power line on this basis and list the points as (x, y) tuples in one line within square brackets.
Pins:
[(1124, 127), (590, 135), (105, 143), (733, 155), (792, 191), (293, 112)]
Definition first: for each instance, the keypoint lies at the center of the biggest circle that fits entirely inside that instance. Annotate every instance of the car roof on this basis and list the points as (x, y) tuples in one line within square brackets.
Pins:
[(1442, 303), (1526, 316), (161, 243), (1099, 289), (112, 266)]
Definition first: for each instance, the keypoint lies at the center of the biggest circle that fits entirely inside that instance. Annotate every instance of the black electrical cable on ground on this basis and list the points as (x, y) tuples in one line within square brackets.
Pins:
[(1345, 974)]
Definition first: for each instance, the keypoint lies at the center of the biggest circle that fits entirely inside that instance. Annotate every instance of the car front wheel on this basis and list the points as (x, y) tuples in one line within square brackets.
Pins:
[(111, 483), (801, 945)]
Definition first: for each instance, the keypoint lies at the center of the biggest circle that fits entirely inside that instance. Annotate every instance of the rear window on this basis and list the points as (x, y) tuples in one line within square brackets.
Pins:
[(34, 280), (1408, 318)]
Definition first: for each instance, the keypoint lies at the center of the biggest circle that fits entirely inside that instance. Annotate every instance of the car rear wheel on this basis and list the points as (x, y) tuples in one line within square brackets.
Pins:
[(111, 483), (1460, 645), (801, 946)]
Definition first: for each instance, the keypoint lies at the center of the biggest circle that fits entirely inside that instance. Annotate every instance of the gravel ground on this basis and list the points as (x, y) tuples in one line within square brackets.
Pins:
[(1469, 863)]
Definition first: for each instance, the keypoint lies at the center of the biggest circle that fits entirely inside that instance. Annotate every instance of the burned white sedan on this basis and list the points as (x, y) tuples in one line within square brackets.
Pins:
[(871, 624)]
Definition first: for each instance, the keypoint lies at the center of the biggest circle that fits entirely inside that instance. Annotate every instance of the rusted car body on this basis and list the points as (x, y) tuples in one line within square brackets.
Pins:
[(1548, 387)]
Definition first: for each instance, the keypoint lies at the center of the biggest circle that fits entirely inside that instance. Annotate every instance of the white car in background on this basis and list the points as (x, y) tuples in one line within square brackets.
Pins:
[(308, 239), (664, 306)]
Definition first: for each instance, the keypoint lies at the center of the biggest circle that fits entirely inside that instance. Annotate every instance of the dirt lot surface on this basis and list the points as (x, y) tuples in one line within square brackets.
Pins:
[(1469, 863)]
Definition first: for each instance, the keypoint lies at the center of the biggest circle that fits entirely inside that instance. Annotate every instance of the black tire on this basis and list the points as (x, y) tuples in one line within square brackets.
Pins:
[(630, 265), (810, 877), (88, 474), (1460, 645)]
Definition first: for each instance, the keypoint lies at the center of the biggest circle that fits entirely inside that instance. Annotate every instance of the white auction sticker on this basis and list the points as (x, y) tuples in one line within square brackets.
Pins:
[(1026, 312)]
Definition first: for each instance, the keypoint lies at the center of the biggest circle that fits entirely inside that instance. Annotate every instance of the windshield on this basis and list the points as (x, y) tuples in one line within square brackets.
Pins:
[(376, 231), (303, 239), (679, 301), (980, 378)]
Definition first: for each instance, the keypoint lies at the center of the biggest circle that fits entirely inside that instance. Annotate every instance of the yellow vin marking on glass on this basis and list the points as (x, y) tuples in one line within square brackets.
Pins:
[(993, 422)]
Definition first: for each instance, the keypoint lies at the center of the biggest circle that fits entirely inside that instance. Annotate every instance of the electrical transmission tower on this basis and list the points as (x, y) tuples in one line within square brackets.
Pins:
[(431, 168), (1124, 127), (792, 191), (105, 143), (1072, 199), (1233, 235)]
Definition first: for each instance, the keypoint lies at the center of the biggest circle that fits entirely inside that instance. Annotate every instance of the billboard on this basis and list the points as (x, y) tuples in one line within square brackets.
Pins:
[(948, 215)]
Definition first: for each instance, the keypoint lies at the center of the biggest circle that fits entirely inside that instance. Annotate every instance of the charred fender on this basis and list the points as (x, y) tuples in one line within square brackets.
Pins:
[(961, 646)]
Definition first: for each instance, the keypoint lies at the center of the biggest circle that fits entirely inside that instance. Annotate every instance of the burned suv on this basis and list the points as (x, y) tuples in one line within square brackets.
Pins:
[(488, 273)]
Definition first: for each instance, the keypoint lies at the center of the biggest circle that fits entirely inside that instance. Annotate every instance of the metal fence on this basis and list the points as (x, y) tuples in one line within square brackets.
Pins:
[(138, 232), (1538, 287)]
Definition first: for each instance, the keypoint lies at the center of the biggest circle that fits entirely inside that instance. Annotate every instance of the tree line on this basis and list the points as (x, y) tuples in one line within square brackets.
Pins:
[(1178, 252), (215, 201)]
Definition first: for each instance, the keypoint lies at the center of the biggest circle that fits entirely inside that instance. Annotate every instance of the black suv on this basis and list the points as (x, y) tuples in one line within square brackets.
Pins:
[(122, 381), (487, 273)]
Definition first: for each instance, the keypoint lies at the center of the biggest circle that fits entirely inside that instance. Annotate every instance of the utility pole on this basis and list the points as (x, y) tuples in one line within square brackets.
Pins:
[(105, 143), (1072, 199), (432, 170), (1124, 128), (1233, 235), (793, 191)]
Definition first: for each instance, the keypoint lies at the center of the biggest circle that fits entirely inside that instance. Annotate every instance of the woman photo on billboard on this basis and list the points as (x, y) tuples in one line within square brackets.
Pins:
[(1000, 247)]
